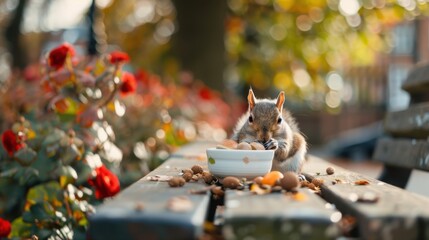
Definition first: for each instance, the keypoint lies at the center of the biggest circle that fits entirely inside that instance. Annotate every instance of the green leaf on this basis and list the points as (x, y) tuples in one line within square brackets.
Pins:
[(67, 175), (211, 160), (25, 156), (45, 192), (70, 154), (20, 228)]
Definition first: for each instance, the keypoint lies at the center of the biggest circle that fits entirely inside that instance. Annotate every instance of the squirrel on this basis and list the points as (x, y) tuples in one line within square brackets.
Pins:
[(274, 127)]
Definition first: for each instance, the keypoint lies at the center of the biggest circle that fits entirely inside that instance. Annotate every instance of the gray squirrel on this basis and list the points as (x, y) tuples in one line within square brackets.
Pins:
[(268, 123)]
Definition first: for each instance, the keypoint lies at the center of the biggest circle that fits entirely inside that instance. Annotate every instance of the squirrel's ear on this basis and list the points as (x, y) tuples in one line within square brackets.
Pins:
[(251, 99), (280, 100)]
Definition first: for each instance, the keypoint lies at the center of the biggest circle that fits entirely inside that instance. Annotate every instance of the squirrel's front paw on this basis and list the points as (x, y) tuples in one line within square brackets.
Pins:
[(271, 144)]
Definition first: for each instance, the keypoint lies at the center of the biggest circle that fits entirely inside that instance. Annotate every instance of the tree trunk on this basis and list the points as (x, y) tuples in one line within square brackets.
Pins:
[(13, 37), (199, 41)]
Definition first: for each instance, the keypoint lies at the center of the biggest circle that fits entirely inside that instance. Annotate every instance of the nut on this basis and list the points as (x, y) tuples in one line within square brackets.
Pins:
[(330, 170), (197, 169), (229, 144), (257, 146), (258, 180), (176, 182), (187, 176), (187, 170), (289, 181), (231, 182), (244, 146), (217, 191), (208, 177), (317, 182)]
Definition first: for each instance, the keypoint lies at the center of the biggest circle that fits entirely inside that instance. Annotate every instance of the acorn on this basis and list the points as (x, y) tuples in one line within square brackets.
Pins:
[(289, 181), (330, 170), (244, 146), (197, 169), (257, 146), (208, 177), (187, 176), (231, 182), (176, 182)]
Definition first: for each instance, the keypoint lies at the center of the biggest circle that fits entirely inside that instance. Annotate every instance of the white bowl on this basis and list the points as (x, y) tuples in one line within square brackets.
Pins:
[(239, 163)]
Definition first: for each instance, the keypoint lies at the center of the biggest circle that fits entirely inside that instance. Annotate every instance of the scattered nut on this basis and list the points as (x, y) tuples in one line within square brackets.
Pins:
[(217, 191), (187, 176), (179, 204), (231, 182), (208, 177), (317, 182), (176, 182), (361, 182), (258, 180), (195, 178), (312, 186), (139, 207), (289, 181), (257, 146), (244, 146), (187, 170), (197, 169), (330, 170)]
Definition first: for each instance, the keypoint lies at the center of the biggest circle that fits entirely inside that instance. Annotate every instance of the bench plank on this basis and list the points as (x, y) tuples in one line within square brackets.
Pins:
[(195, 150), (417, 80), (406, 153), (278, 216), (398, 214), (412, 122), (120, 218)]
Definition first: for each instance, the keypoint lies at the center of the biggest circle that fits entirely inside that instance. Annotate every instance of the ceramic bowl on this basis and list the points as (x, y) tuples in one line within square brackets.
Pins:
[(239, 163)]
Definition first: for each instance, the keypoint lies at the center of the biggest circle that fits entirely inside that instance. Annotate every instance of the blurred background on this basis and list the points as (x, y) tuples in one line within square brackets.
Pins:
[(340, 62)]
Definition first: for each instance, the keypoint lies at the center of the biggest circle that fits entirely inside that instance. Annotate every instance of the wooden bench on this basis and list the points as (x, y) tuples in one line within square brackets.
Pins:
[(380, 210), (349, 204), (407, 147)]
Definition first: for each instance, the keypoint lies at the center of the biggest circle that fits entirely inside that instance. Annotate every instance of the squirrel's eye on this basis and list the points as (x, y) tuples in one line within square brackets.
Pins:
[(250, 119), (279, 120)]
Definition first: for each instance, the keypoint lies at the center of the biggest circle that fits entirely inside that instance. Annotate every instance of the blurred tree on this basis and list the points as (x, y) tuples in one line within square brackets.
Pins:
[(199, 41), (296, 45), (13, 36)]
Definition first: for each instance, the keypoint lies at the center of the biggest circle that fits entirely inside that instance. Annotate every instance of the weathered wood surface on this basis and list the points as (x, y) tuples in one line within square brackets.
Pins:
[(412, 122), (417, 80), (120, 218), (195, 150), (397, 214), (406, 153), (279, 216)]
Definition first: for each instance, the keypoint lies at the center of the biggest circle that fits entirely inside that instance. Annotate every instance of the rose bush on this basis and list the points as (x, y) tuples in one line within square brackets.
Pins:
[(60, 160)]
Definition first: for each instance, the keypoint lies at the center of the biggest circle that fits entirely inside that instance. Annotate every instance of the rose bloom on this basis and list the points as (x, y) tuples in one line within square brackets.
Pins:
[(10, 142), (5, 228), (118, 57), (58, 55), (106, 183), (129, 83)]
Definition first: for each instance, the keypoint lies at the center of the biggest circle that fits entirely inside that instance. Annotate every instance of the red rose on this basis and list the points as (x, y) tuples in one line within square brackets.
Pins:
[(129, 83), (118, 57), (10, 142), (58, 56), (5, 228), (205, 93), (106, 183)]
